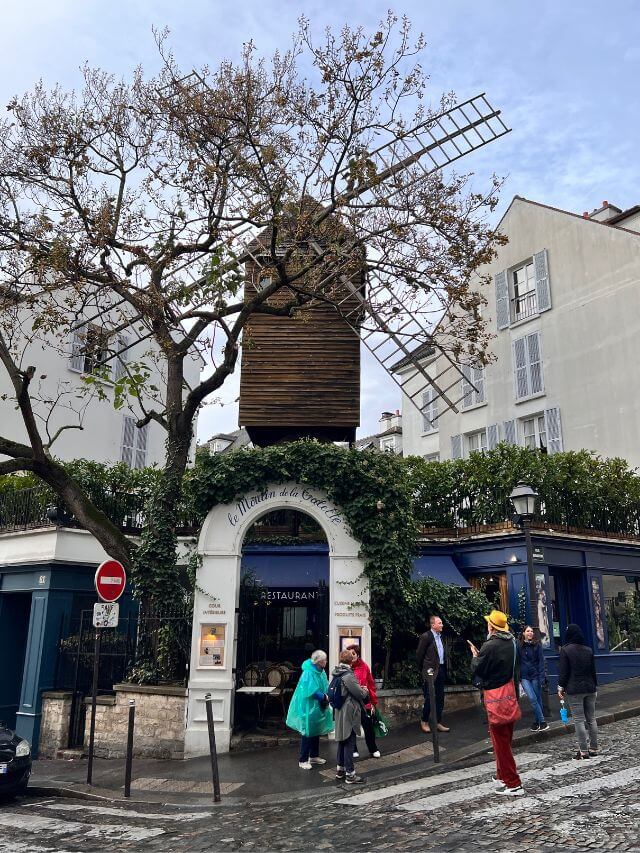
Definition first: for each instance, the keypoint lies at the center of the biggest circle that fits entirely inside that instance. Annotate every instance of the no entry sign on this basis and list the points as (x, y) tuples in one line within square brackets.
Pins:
[(110, 580)]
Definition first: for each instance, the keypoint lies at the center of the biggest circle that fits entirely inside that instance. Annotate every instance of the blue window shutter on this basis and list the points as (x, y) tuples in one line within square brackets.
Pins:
[(456, 447), (492, 436), (553, 426), (510, 432), (76, 359), (467, 387), (122, 341), (541, 268), (520, 368), (478, 381), (536, 384), (128, 440), (502, 299)]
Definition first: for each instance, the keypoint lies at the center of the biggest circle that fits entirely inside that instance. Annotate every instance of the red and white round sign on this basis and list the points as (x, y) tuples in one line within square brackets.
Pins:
[(110, 580)]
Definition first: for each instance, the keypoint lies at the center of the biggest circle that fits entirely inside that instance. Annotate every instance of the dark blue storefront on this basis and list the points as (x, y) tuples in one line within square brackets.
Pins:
[(36, 602), (590, 582)]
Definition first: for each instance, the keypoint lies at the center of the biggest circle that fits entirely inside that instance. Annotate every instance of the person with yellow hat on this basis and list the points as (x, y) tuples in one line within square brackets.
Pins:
[(495, 666)]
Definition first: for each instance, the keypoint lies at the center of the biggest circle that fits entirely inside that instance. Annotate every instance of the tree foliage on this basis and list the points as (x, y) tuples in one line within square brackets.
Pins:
[(134, 204)]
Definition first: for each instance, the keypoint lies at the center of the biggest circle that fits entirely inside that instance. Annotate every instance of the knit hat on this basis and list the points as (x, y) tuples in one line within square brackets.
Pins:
[(498, 620)]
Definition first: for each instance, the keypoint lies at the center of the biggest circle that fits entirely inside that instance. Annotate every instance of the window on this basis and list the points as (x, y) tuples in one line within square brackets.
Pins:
[(89, 348), (432, 457), (527, 364), (389, 445), (472, 386), (429, 410), (522, 291), (477, 441), (534, 433), (524, 300), (134, 443), (622, 608)]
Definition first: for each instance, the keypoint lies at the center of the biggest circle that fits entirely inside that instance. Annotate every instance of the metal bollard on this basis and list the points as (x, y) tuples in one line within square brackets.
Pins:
[(129, 759), (212, 750), (433, 720)]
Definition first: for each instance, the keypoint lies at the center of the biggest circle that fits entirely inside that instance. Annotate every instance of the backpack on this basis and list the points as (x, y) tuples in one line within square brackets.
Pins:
[(336, 697)]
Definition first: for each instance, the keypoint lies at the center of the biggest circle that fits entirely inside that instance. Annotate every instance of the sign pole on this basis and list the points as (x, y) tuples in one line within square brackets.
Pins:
[(94, 698)]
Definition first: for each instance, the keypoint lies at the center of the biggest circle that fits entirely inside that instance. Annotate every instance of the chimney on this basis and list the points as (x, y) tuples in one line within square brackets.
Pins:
[(604, 213)]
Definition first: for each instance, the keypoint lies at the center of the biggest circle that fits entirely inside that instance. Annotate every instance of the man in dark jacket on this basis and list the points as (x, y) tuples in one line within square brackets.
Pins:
[(430, 655), (495, 666), (577, 678)]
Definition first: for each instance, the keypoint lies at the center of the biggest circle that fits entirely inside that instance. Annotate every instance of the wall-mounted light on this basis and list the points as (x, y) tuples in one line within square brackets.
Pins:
[(514, 558), (379, 505)]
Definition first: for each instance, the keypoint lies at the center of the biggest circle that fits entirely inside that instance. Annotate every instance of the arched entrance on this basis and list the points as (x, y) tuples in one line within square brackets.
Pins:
[(217, 600)]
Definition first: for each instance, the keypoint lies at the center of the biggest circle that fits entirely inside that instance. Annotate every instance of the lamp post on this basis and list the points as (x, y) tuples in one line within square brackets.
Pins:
[(524, 499)]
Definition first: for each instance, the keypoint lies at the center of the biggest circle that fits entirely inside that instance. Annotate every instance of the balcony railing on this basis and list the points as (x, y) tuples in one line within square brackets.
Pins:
[(28, 509), (524, 306)]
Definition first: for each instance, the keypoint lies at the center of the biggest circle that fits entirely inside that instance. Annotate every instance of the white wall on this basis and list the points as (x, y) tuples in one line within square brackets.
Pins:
[(590, 338), (101, 437)]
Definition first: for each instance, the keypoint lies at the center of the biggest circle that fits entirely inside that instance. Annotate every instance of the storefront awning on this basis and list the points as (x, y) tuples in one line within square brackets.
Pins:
[(440, 568)]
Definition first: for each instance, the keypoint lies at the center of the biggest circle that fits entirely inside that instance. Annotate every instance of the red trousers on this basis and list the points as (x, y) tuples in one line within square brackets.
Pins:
[(501, 737)]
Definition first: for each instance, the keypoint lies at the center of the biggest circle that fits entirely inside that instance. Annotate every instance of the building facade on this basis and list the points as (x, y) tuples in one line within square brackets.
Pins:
[(565, 313), (61, 395), (388, 439)]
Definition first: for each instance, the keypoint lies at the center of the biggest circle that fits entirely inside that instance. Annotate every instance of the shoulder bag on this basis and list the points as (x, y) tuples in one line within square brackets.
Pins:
[(501, 703)]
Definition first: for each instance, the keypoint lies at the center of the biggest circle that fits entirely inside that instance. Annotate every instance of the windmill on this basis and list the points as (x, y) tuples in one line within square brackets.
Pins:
[(393, 324)]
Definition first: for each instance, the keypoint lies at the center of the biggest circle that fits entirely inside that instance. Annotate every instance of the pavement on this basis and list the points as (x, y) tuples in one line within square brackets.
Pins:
[(272, 775), (568, 806)]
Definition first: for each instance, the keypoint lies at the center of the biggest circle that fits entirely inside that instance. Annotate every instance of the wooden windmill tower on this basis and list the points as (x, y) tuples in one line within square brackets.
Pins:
[(300, 374)]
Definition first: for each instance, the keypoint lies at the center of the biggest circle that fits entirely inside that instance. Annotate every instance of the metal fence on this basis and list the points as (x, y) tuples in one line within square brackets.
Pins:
[(152, 646), (35, 507)]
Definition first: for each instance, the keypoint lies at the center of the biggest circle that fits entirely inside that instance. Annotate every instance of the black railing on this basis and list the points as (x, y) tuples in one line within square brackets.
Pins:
[(35, 507), (153, 647), (479, 510)]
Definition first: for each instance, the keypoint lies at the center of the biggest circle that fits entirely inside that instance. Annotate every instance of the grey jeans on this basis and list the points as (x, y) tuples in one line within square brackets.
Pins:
[(583, 711)]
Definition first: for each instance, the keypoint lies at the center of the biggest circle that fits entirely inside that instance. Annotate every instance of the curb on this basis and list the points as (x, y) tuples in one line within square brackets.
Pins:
[(477, 750)]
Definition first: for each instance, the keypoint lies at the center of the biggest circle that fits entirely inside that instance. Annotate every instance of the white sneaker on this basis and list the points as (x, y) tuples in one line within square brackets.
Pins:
[(375, 754), (317, 761), (304, 765), (511, 792), (356, 755)]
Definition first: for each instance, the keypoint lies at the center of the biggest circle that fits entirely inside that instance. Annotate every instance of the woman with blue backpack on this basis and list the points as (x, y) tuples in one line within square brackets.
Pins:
[(347, 699), (309, 711)]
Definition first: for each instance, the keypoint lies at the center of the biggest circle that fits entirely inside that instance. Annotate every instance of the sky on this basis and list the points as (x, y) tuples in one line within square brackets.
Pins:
[(565, 75)]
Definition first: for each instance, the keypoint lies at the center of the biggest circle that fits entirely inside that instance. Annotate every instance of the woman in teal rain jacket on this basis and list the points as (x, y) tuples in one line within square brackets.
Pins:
[(309, 711)]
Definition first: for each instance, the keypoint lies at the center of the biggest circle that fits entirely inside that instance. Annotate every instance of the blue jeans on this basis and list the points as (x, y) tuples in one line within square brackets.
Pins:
[(534, 694), (345, 754), (309, 748)]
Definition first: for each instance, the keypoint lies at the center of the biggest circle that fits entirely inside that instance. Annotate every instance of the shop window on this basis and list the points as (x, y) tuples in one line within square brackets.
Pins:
[(622, 608)]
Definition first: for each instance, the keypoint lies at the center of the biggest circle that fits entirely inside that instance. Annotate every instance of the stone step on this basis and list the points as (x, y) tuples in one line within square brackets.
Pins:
[(71, 754)]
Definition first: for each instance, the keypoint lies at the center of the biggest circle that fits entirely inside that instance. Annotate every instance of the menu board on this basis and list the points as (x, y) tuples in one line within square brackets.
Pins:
[(212, 645)]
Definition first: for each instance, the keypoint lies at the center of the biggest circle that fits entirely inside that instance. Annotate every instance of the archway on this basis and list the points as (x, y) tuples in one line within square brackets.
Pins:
[(217, 598)]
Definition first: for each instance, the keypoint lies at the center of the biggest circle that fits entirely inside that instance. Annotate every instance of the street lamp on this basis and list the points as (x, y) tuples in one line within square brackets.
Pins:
[(524, 499)]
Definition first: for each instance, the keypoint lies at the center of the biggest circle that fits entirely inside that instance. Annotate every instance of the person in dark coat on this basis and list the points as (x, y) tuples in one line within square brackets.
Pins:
[(430, 655), (577, 680), (532, 675), (347, 717), (496, 665)]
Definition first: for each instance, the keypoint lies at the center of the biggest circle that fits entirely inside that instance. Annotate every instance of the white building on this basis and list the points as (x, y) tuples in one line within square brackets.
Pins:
[(61, 396), (565, 311), (388, 439)]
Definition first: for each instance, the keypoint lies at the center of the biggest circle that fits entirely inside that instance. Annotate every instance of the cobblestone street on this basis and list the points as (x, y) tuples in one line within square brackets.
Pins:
[(569, 806)]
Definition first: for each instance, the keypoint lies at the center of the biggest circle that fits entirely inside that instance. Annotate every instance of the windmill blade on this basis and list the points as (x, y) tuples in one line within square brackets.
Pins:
[(433, 144)]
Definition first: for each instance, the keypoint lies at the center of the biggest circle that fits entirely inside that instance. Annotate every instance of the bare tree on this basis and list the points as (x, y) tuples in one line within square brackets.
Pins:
[(139, 203)]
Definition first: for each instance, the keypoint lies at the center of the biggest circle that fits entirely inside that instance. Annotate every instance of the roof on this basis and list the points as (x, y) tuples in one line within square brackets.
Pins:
[(237, 439), (605, 224), (423, 351)]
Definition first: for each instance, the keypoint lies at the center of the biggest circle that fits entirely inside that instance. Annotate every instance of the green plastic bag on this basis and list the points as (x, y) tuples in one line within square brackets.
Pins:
[(380, 724)]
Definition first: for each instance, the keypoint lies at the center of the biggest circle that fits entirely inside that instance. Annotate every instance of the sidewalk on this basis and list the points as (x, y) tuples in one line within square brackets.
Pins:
[(273, 774)]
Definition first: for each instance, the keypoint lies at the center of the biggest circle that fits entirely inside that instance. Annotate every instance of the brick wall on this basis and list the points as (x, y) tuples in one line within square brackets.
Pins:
[(54, 725), (159, 725)]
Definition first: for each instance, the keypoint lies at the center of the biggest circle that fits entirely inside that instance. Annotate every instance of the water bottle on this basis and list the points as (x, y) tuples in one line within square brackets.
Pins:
[(564, 714)]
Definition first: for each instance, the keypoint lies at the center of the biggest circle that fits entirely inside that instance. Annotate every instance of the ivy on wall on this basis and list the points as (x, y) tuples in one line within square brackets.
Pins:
[(357, 483)]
